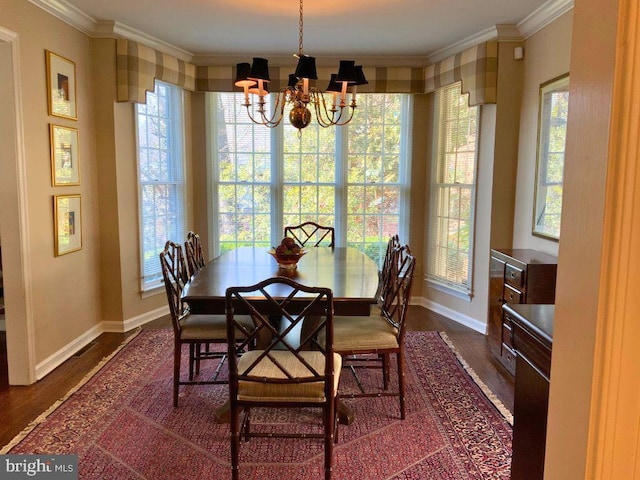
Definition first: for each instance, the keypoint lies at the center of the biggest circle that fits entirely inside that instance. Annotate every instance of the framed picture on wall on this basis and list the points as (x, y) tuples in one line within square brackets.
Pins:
[(67, 215), (61, 86), (65, 160)]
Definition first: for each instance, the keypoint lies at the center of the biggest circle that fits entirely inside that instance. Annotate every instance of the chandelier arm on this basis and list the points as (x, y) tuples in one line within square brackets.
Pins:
[(278, 112), (344, 122), (330, 114)]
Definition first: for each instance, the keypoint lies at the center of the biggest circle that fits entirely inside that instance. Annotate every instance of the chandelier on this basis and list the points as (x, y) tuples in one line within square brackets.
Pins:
[(338, 110)]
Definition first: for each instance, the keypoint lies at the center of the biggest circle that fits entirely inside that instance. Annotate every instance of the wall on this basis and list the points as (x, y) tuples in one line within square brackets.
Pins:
[(581, 291), (494, 194), (547, 55), (70, 300), (65, 290)]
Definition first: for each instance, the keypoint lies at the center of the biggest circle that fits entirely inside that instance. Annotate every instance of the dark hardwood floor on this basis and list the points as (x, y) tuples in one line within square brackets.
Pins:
[(19, 405)]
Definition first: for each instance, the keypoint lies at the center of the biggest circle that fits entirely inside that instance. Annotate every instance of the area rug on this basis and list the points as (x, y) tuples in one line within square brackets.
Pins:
[(122, 425)]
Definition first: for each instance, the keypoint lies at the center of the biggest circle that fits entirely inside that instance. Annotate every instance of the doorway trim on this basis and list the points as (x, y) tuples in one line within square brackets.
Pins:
[(14, 225)]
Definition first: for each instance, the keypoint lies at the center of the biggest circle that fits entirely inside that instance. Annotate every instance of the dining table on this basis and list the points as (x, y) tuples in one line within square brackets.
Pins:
[(350, 274)]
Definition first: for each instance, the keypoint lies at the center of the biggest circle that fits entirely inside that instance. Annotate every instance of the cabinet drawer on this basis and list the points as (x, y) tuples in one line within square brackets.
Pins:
[(508, 358), (507, 334), (511, 295), (514, 276)]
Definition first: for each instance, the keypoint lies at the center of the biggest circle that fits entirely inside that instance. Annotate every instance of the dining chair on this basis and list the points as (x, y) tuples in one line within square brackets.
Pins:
[(312, 233), (193, 252), (362, 340), (385, 271), (290, 369), (188, 329)]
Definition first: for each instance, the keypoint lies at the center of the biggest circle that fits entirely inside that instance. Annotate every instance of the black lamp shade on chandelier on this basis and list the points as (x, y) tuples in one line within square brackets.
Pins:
[(253, 79)]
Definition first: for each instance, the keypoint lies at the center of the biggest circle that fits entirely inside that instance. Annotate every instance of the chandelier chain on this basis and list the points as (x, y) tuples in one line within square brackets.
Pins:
[(300, 49)]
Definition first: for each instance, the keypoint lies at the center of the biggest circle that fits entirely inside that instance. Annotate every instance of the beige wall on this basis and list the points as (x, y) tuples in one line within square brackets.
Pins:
[(65, 289), (580, 291), (73, 298), (547, 55), (496, 176)]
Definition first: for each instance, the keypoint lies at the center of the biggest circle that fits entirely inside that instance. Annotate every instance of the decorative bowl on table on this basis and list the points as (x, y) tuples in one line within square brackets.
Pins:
[(287, 254), (287, 261)]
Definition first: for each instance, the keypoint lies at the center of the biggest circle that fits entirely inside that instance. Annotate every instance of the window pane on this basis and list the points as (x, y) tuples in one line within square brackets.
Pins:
[(309, 180), (161, 182), (453, 191)]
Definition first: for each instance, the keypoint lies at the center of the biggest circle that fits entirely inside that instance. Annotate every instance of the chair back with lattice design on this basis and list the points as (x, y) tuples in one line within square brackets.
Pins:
[(385, 272), (193, 252), (397, 293), (175, 275), (312, 234), (288, 319)]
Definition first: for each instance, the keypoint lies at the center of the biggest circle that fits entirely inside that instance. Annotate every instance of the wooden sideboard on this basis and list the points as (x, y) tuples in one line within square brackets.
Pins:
[(518, 276), (532, 340)]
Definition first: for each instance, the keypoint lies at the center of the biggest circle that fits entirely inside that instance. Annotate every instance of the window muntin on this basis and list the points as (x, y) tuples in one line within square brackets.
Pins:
[(161, 177), (351, 177), (376, 170), (453, 191)]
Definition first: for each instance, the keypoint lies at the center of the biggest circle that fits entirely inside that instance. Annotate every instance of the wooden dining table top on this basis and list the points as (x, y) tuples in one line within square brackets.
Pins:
[(351, 275)]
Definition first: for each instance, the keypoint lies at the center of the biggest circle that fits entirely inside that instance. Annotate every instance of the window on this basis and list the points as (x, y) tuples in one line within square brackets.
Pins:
[(161, 177), (351, 177), (453, 191)]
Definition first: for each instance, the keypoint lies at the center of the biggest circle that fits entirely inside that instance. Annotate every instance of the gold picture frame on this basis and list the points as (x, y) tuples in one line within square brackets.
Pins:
[(552, 132), (65, 158), (61, 86), (67, 213)]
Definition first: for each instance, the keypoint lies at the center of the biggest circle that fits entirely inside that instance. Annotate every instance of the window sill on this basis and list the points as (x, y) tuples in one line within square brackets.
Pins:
[(449, 290)]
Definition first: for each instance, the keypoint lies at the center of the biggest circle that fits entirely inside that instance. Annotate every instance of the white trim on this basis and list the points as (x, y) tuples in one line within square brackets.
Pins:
[(68, 13), (543, 16), (7, 35), (58, 358), (19, 320), (135, 322), (116, 29), (535, 21), (454, 315), (457, 47), (66, 352), (75, 17)]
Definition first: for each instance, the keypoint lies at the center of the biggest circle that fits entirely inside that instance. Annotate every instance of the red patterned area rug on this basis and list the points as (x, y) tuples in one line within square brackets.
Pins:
[(122, 424)]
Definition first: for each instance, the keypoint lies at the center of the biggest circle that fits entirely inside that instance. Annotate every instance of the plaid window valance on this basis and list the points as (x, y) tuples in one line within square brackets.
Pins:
[(138, 66), (475, 67)]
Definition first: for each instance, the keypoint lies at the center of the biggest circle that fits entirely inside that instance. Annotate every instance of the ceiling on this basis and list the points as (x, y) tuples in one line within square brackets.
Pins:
[(349, 29)]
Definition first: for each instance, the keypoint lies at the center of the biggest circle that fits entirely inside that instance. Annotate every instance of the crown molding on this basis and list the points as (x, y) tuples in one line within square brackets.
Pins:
[(109, 28), (483, 36), (68, 13), (79, 20), (537, 20), (74, 17), (543, 16)]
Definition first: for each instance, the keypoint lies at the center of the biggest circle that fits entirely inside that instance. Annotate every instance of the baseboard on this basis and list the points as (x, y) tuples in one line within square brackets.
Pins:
[(451, 314), (130, 324), (58, 358)]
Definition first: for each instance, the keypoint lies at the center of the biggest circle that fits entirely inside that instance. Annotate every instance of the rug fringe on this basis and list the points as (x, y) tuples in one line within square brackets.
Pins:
[(43, 416), (504, 411)]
